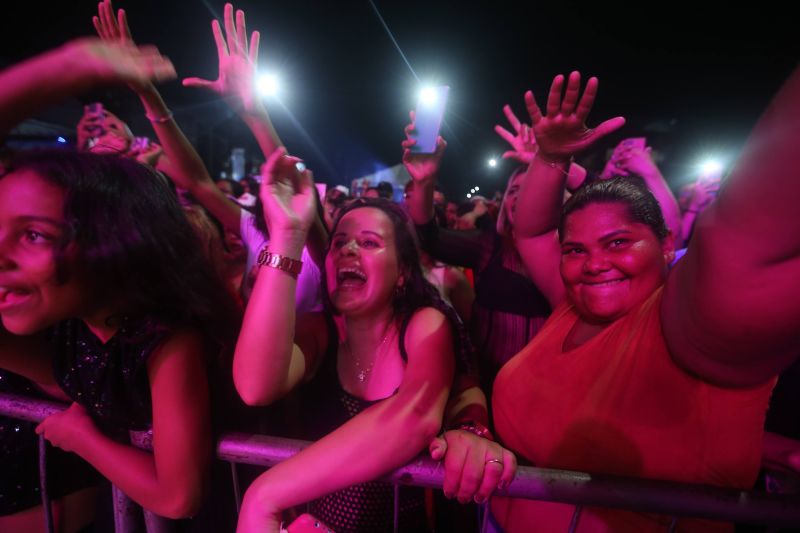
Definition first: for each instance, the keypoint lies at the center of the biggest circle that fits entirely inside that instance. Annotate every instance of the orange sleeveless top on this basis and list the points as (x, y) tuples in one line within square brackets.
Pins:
[(618, 404)]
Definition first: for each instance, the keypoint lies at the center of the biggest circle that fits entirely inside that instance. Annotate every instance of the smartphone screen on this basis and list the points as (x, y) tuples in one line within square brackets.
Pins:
[(430, 112)]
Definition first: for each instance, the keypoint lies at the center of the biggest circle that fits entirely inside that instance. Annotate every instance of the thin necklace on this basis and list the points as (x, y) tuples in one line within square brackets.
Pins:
[(363, 372)]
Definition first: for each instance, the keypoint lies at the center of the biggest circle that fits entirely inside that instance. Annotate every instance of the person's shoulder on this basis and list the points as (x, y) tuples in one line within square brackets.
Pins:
[(425, 322)]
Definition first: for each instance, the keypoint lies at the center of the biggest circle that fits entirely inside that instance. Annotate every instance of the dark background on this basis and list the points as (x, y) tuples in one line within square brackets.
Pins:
[(691, 77)]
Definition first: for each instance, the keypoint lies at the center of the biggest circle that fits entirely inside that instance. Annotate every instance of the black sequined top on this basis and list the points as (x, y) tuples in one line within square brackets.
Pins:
[(366, 507), (109, 380), (19, 458)]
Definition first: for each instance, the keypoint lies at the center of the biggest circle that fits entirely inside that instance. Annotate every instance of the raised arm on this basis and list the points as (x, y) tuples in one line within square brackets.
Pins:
[(381, 438), (639, 161), (731, 306), (236, 81), (423, 169), (81, 64), (269, 359), (561, 133), (183, 165)]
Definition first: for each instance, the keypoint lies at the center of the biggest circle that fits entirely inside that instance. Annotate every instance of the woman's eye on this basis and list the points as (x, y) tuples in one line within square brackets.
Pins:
[(572, 251), (36, 237), (337, 243), (618, 242), (369, 243)]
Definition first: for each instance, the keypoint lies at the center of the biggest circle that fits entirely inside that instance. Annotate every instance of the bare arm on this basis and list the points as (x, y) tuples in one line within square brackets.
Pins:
[(560, 133), (83, 63), (172, 480), (732, 305), (411, 418), (640, 162), (268, 361), (183, 165)]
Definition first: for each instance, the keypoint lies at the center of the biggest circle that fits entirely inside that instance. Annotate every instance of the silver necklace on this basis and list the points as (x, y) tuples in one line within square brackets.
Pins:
[(363, 372)]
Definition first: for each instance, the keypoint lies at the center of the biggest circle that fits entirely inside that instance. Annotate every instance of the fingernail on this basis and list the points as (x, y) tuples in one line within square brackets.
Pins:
[(463, 501), (479, 499), (448, 495), (501, 485)]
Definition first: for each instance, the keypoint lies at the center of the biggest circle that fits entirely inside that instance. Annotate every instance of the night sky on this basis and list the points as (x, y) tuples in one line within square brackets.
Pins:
[(691, 77)]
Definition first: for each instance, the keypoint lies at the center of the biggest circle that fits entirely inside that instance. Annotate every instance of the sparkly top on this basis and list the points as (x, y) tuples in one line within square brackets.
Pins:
[(366, 507), (109, 380)]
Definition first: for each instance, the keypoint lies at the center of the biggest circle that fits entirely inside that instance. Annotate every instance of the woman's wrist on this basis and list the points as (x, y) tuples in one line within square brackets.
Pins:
[(288, 242)]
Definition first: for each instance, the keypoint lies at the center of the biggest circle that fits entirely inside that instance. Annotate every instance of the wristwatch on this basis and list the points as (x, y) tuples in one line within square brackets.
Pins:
[(281, 262)]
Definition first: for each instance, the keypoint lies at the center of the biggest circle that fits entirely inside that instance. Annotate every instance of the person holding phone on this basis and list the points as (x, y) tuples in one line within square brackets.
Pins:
[(508, 309)]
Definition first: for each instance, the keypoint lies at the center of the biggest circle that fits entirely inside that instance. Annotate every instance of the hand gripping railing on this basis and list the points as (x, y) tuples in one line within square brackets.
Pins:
[(577, 488)]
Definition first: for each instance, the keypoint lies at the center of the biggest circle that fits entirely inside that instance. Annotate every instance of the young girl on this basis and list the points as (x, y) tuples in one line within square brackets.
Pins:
[(105, 295)]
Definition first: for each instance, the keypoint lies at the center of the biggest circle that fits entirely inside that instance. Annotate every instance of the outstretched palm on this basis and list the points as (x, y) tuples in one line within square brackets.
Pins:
[(522, 141), (237, 64), (562, 132)]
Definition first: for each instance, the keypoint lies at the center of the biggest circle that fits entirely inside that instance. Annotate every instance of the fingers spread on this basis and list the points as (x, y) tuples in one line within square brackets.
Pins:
[(512, 118), (255, 39), (241, 32), (571, 96), (554, 98), (587, 100), (533, 108)]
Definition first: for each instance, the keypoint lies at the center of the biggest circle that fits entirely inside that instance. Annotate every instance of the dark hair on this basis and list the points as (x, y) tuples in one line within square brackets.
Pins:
[(134, 242), (629, 191), (417, 292), (385, 190), (236, 188), (252, 183)]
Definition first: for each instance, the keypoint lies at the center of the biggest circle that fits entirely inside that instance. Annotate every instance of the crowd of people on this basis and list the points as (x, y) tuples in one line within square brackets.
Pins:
[(584, 319)]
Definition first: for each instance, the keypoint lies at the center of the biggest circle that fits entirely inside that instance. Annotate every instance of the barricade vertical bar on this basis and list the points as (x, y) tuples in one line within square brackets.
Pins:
[(483, 515), (673, 526), (396, 517), (154, 523), (237, 491), (46, 504), (576, 516), (125, 512)]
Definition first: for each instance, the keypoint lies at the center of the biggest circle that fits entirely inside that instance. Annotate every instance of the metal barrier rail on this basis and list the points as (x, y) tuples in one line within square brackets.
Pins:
[(577, 488)]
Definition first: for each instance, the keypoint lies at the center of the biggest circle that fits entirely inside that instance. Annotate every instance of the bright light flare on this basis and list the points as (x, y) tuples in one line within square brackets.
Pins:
[(492, 162), (427, 96), (268, 85), (710, 167), (469, 195)]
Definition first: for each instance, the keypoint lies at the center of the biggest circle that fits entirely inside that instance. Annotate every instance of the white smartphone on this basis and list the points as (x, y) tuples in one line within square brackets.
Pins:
[(429, 116)]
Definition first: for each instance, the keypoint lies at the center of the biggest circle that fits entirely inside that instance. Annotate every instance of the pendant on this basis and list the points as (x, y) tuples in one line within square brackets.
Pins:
[(361, 376)]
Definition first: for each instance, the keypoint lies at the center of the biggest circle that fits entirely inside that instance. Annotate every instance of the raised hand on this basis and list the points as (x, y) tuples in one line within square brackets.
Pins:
[(522, 141), (109, 28), (562, 131), (106, 62), (236, 80), (287, 194), (421, 167), (630, 160)]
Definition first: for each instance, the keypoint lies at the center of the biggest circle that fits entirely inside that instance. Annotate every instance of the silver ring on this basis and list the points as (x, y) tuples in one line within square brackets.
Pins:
[(498, 461)]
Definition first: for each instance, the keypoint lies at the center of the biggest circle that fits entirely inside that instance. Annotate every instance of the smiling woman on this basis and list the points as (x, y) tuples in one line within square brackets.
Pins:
[(641, 372), (380, 361)]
